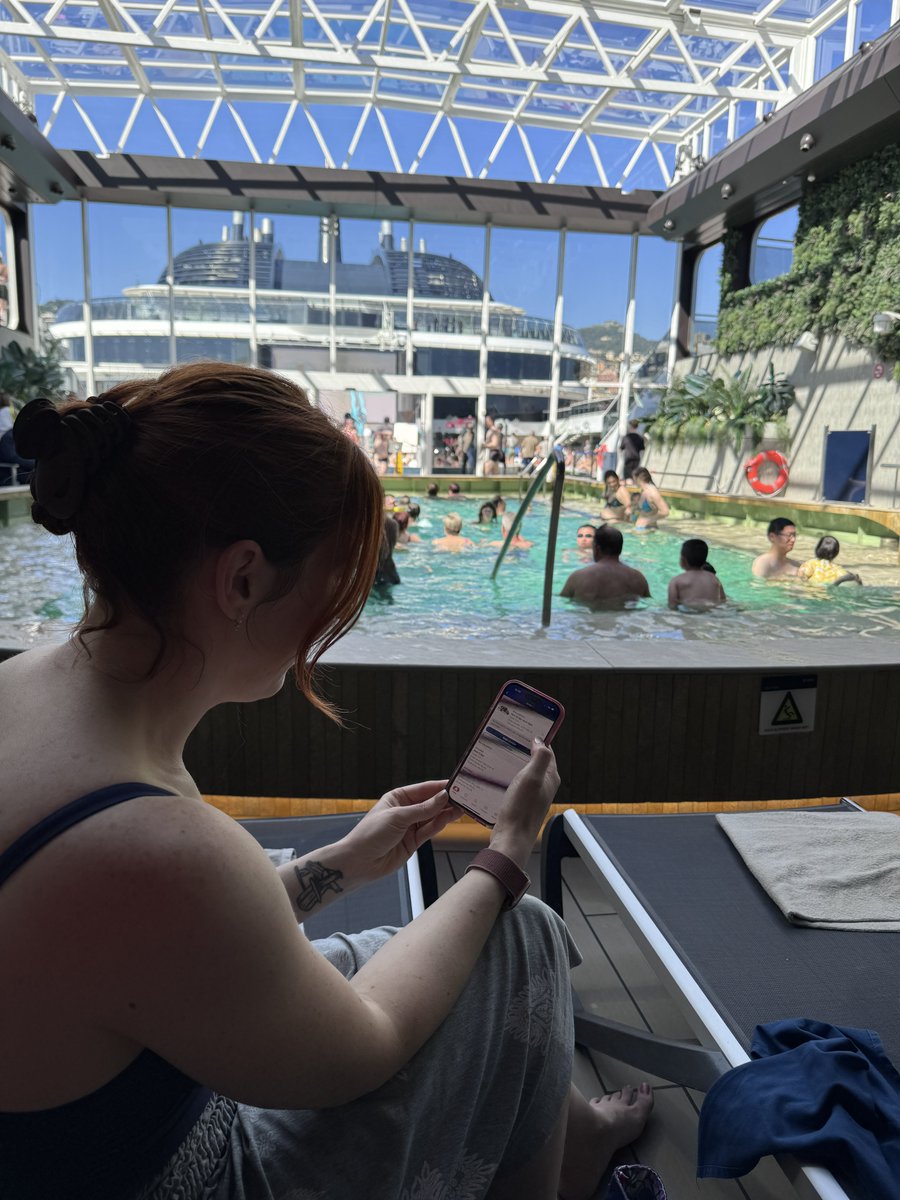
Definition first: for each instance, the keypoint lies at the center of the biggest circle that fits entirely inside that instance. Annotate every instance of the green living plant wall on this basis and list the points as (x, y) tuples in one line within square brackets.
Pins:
[(846, 267)]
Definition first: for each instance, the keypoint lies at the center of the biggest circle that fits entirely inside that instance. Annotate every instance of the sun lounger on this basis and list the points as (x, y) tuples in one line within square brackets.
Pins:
[(722, 949), (394, 900)]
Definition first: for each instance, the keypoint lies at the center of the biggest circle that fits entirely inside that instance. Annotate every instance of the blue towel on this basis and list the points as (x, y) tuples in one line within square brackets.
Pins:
[(828, 1096)]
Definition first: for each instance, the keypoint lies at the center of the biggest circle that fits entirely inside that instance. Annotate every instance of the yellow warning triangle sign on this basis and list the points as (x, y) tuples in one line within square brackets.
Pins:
[(788, 713)]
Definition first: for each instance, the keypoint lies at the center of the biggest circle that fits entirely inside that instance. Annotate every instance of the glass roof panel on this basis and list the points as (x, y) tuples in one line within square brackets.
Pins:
[(320, 81), (160, 54), (414, 88), (708, 49), (36, 69), (620, 37), (631, 117), (802, 10), (653, 68), (737, 6), (557, 104), (546, 65), (485, 100)]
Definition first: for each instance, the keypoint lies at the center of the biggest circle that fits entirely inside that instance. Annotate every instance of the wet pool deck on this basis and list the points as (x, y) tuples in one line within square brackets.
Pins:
[(616, 979)]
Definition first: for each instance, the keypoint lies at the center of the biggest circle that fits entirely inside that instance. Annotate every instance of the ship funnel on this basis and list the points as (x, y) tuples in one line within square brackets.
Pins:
[(386, 236)]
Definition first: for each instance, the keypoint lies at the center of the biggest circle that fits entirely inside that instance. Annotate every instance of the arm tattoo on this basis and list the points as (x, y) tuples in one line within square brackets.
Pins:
[(315, 880)]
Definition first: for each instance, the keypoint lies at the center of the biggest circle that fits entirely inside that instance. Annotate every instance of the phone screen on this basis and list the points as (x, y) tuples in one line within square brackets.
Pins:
[(502, 748)]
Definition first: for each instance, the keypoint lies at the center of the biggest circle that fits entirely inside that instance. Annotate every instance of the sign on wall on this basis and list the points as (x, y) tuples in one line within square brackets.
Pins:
[(787, 703)]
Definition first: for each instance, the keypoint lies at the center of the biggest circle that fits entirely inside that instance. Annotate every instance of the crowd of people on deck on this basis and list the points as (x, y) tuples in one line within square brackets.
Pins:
[(502, 450)]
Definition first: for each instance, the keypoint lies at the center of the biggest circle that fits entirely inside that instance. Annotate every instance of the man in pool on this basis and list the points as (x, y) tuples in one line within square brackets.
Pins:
[(775, 564), (607, 583), (695, 588)]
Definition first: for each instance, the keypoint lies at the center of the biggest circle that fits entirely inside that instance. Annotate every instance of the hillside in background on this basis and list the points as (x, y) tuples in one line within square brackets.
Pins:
[(609, 338)]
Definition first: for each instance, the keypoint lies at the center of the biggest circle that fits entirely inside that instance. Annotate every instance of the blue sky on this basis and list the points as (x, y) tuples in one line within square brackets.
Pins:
[(128, 243), (128, 248)]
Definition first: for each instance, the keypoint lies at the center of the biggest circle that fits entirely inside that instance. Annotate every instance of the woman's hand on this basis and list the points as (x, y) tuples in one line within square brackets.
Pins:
[(528, 798), (392, 831)]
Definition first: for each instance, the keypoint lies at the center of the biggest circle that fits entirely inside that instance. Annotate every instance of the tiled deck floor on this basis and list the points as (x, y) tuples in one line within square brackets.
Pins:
[(615, 979)]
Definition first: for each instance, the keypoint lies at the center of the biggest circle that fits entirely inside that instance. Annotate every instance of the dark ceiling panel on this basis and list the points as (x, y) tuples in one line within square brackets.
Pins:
[(209, 183)]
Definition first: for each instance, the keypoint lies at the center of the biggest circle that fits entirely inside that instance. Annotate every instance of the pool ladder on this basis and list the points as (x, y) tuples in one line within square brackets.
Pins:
[(555, 458)]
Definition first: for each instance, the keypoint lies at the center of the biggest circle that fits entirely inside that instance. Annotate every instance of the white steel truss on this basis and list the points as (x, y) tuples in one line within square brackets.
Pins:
[(659, 73)]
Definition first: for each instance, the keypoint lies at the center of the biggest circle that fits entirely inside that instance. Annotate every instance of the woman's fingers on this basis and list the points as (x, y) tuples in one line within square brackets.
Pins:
[(416, 793)]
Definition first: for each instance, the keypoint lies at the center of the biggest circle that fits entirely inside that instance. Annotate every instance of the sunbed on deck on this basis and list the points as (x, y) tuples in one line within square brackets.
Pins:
[(722, 949)]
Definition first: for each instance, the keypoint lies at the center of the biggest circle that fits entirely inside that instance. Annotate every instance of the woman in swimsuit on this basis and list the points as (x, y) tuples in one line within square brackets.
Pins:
[(652, 507), (618, 498), (165, 1027)]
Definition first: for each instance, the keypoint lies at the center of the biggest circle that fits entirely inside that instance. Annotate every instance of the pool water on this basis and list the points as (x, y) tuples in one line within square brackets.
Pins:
[(451, 595)]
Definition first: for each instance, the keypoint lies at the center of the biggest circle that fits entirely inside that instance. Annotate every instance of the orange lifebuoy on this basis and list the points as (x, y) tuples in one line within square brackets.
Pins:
[(771, 486)]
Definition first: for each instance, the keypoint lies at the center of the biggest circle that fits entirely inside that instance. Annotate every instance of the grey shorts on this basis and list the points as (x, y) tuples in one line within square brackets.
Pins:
[(477, 1102)]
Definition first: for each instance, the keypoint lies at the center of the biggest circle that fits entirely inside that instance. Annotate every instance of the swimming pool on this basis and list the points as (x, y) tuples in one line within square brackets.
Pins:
[(451, 595)]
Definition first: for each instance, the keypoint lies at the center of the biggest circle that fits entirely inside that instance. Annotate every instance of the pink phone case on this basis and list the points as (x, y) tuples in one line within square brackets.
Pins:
[(551, 733)]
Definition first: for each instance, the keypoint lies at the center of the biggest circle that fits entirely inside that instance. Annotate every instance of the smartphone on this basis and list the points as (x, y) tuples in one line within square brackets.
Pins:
[(501, 748)]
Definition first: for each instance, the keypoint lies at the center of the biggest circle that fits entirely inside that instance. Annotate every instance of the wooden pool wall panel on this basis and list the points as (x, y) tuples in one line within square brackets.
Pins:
[(640, 736)]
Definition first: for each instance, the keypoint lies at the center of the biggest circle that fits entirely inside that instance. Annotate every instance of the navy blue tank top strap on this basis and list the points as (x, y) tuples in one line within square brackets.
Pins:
[(120, 1136), (64, 818)]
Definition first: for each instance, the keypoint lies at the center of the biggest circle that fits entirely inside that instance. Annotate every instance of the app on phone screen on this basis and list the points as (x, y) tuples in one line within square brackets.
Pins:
[(502, 749)]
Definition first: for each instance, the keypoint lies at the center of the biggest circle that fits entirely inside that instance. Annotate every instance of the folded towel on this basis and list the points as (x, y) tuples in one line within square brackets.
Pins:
[(280, 857), (824, 870)]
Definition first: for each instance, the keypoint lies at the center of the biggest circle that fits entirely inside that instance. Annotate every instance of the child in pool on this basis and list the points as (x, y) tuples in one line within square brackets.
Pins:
[(823, 569), (696, 588)]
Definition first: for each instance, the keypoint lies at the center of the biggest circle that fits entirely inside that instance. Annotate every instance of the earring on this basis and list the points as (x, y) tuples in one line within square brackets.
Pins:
[(238, 622)]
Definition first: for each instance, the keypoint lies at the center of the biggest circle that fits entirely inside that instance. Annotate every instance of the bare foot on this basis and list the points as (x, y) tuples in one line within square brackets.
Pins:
[(595, 1131)]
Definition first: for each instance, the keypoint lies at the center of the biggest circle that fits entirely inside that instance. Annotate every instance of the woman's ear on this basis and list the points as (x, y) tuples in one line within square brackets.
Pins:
[(243, 578)]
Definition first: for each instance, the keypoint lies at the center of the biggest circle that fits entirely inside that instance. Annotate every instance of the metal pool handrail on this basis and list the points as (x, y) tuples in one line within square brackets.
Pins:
[(556, 458)]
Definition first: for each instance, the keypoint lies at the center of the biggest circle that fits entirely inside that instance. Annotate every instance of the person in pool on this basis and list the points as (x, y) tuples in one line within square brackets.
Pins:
[(404, 535), (584, 541), (823, 569), (618, 498), (774, 563), (652, 507), (518, 542), (695, 588), (487, 514), (499, 504), (608, 583), (386, 574), (432, 491), (205, 1047), (453, 539)]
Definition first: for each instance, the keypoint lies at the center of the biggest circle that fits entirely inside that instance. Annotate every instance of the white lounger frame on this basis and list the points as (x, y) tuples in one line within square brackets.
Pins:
[(810, 1183)]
